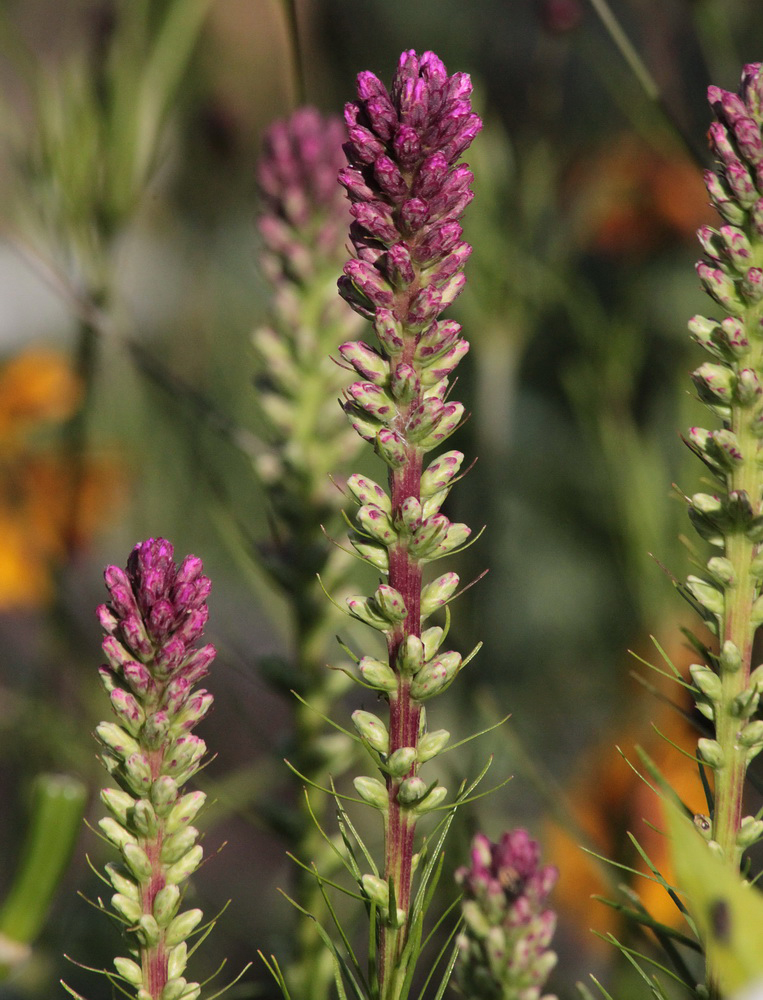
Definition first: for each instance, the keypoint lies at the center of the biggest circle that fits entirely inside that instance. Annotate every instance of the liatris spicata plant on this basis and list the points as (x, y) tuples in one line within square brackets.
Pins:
[(156, 614), (407, 193), (503, 947)]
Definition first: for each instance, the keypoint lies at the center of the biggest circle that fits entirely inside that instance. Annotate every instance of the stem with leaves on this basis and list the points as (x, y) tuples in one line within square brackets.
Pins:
[(407, 193)]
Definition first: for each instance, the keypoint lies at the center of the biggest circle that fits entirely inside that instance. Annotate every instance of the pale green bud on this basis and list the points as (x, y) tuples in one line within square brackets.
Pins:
[(118, 803), (714, 381), (366, 491), (432, 744), (706, 594), (138, 773), (192, 992), (752, 734), (377, 523), (711, 752), (431, 801), (432, 504), (164, 793), (377, 674), (707, 709), (391, 604), (748, 387), (148, 930), (438, 592), (173, 989), (411, 790), (177, 960), (702, 330), (405, 384), (182, 926), (723, 446), (143, 994), (439, 473), (116, 739), (750, 831), (377, 891), (391, 448), (144, 818), (372, 791), (166, 902), (137, 861), (706, 680), (435, 675), (401, 761), (129, 970), (372, 730), (756, 612), (176, 846), (722, 569), (706, 503), (187, 865), (182, 755), (432, 639), (184, 811), (122, 883), (756, 566), (410, 510), (375, 554), (410, 655), (455, 537), (730, 658), (129, 909), (746, 703), (115, 832), (366, 611)]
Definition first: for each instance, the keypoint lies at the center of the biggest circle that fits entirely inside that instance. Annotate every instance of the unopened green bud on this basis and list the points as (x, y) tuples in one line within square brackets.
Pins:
[(177, 960), (184, 811), (756, 612), (714, 382), (707, 709), (115, 832), (138, 773), (128, 908), (431, 505), (372, 730), (192, 992), (182, 926), (432, 639), (187, 865), (183, 755), (410, 655), (455, 537), (711, 752), (148, 930), (750, 831), (391, 604), (401, 761), (404, 384), (143, 994), (166, 902), (391, 448), (756, 566), (375, 554), (118, 803), (138, 862), (372, 791), (748, 387), (746, 703), (122, 883), (440, 473), (144, 818), (432, 744), (377, 674), (752, 734), (722, 570), (723, 447), (730, 658), (431, 801), (156, 727), (702, 330), (411, 790), (377, 523), (706, 503), (410, 510), (377, 890), (176, 846), (129, 970), (435, 675), (366, 611), (164, 793), (438, 593), (366, 491), (116, 739), (173, 989), (706, 594), (706, 680)]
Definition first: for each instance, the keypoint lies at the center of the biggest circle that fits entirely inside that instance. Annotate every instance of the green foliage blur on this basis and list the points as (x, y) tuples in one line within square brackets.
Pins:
[(134, 282)]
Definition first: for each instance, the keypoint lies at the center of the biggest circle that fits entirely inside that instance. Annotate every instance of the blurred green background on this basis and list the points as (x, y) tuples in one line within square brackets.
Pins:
[(588, 193)]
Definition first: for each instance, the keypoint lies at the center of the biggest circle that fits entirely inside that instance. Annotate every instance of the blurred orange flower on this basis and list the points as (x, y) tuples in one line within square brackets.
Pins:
[(609, 799), (45, 507), (629, 199)]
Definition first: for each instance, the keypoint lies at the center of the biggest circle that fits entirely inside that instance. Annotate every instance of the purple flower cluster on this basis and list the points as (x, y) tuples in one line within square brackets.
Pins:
[(406, 191), (304, 222), (504, 946)]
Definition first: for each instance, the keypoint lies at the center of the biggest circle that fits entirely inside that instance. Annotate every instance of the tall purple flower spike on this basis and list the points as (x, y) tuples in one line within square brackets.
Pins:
[(153, 623), (504, 946)]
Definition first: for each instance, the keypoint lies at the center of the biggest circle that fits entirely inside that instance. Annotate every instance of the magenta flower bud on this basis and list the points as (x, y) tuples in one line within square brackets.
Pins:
[(391, 447), (741, 184), (373, 399), (752, 285), (387, 329), (752, 90), (748, 140), (373, 217), (365, 360), (370, 282)]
